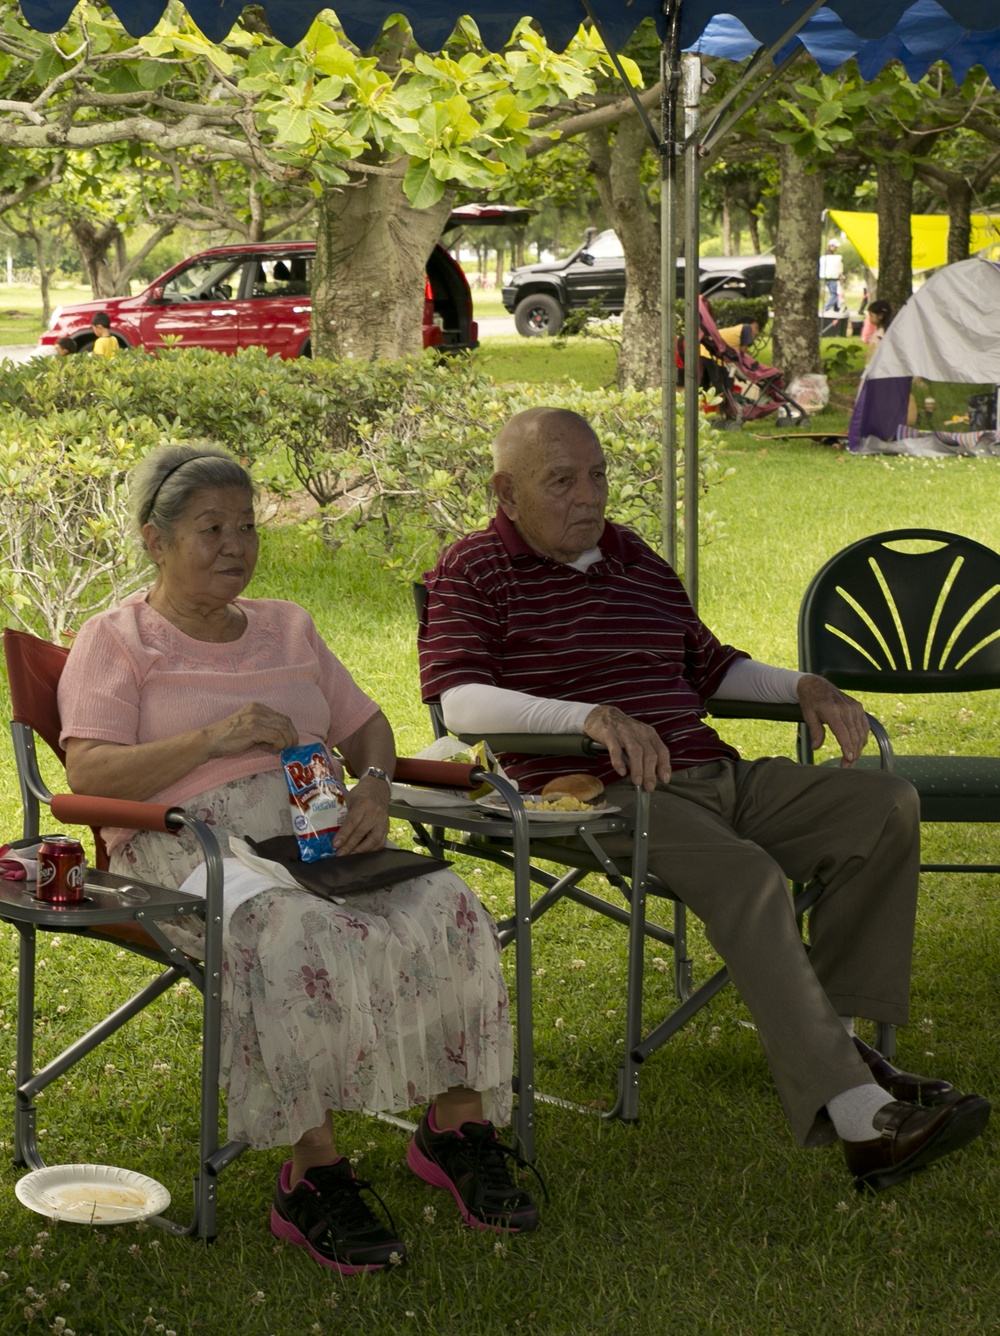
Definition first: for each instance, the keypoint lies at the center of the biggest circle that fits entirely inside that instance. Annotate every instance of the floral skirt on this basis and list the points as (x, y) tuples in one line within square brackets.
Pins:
[(378, 1004)]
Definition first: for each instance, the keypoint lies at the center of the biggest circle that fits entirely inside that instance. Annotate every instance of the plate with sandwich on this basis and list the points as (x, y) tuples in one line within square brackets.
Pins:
[(567, 798)]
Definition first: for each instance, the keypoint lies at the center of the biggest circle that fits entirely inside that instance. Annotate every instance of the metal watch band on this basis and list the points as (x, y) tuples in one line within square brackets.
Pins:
[(378, 773)]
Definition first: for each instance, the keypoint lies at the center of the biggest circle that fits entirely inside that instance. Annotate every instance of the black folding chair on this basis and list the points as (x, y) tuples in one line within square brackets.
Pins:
[(913, 611)]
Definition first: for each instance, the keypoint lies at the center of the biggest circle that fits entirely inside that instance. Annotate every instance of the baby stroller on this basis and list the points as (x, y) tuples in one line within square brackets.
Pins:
[(747, 389)]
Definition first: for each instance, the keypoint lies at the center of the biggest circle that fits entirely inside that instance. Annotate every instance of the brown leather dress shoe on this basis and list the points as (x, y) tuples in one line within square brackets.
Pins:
[(911, 1137), (928, 1090)]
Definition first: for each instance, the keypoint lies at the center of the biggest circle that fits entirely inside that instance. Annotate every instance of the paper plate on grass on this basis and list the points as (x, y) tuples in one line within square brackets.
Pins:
[(91, 1194)]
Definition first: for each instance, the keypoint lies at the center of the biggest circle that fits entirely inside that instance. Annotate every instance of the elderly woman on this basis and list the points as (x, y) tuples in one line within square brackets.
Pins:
[(186, 693)]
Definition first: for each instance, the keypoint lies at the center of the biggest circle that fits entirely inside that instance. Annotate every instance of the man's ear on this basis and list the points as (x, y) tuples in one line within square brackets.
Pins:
[(503, 487)]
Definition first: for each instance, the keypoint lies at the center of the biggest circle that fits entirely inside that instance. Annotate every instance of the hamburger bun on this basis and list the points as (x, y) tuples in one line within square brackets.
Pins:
[(587, 788)]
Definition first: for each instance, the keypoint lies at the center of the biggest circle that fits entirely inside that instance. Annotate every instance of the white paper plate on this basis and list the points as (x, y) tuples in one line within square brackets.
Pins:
[(495, 804), (91, 1194), (432, 798)]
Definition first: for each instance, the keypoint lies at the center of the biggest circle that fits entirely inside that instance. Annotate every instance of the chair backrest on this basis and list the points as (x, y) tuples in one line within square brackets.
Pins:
[(906, 610), (434, 707), (34, 668)]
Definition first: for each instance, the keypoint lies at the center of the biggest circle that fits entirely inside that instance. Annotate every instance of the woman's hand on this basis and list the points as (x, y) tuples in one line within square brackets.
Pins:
[(366, 826), (253, 725)]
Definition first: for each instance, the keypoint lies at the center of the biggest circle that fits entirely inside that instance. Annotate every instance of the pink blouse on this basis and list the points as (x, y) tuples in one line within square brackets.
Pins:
[(132, 677)]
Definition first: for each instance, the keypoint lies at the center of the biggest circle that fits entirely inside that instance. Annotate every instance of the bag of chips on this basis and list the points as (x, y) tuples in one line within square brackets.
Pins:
[(317, 798)]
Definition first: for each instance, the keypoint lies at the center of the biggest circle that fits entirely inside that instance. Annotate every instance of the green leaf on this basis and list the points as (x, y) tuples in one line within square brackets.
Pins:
[(420, 185)]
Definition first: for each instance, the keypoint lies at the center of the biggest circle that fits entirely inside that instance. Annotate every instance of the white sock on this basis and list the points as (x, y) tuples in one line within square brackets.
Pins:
[(848, 1023), (852, 1111)]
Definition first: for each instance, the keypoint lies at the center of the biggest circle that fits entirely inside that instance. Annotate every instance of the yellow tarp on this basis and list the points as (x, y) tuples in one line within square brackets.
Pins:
[(929, 232)]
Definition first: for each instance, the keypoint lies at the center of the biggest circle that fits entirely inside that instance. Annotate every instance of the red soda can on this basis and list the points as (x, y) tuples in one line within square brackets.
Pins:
[(62, 870)]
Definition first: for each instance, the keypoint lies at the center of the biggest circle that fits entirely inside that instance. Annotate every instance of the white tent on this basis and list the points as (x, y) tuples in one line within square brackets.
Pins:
[(948, 331)]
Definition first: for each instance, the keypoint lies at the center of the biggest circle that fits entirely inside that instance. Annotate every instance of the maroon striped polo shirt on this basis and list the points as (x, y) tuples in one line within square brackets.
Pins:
[(622, 633)]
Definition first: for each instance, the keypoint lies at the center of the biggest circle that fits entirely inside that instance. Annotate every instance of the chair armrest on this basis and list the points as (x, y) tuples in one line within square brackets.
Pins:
[(77, 809), (790, 712), (438, 774), (539, 744)]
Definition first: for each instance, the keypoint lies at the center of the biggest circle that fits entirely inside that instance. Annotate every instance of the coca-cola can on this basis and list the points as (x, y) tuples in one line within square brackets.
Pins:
[(62, 870)]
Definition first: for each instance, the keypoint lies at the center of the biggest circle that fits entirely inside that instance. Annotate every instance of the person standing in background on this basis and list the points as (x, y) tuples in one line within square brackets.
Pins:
[(831, 271)]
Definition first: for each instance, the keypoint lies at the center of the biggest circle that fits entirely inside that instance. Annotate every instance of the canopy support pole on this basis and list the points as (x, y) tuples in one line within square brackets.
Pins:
[(691, 94), (669, 150)]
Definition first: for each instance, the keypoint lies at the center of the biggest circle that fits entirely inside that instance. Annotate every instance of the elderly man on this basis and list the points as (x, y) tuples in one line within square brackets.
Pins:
[(557, 620)]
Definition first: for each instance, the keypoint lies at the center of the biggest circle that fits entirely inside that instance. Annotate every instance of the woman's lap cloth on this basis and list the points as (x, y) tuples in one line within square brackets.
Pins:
[(727, 838), (377, 1004)]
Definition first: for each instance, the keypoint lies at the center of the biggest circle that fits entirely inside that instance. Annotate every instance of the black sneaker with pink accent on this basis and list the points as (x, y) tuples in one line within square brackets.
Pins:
[(325, 1213), (474, 1167)]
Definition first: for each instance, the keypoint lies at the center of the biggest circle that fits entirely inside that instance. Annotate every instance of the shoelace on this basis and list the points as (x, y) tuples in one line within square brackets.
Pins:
[(488, 1159), (339, 1206)]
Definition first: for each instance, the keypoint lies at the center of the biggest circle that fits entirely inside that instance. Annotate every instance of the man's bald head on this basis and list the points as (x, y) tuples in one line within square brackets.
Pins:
[(551, 481), (524, 438)]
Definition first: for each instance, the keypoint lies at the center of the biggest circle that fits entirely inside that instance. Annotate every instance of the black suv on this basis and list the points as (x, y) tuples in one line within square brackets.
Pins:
[(541, 295)]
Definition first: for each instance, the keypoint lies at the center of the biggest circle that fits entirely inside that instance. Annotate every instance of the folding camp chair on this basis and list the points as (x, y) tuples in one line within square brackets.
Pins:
[(34, 667), (913, 610), (631, 881), (118, 909)]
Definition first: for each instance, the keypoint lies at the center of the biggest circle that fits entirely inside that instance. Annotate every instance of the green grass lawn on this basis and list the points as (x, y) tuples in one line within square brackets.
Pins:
[(21, 309), (702, 1220)]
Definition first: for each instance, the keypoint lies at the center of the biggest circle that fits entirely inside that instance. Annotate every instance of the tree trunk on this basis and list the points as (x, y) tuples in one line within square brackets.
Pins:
[(727, 229), (895, 240), (796, 283), (616, 156), (93, 242), (47, 265), (371, 264), (959, 198)]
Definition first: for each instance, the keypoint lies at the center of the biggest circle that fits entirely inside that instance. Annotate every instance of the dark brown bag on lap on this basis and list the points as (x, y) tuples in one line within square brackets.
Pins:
[(348, 874)]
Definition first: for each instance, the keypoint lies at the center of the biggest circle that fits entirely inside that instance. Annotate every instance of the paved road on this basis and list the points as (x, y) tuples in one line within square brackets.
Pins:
[(19, 352), (496, 324)]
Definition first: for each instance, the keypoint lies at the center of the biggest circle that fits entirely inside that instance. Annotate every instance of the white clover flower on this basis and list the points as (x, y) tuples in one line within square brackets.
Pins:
[(578, 964), (430, 1214)]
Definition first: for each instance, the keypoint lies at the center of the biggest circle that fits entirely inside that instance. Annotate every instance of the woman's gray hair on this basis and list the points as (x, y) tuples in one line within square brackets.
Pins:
[(162, 484)]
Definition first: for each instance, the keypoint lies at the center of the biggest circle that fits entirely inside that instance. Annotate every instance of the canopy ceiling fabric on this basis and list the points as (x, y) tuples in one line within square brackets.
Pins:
[(929, 232), (882, 31), (960, 35)]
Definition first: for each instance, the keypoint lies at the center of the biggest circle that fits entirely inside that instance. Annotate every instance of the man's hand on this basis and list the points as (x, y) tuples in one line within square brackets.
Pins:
[(634, 748), (366, 826), (824, 704)]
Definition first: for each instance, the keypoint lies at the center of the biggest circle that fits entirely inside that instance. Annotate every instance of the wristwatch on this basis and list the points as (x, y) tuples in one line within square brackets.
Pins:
[(377, 773)]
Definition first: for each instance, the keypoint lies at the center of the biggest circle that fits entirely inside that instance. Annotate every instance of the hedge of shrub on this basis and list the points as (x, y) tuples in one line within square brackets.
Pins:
[(396, 454)]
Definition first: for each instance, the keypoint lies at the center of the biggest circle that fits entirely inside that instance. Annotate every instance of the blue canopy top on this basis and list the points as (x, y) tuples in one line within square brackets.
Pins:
[(913, 32), (921, 35)]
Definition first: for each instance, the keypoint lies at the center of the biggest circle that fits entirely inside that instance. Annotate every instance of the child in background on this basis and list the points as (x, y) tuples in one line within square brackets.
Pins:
[(66, 346), (105, 345)]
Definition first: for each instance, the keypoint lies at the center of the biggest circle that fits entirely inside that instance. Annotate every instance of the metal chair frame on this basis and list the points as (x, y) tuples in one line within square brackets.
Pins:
[(105, 914)]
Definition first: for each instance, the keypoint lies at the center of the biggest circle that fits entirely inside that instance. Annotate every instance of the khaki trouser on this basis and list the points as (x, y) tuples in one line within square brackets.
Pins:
[(727, 838)]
